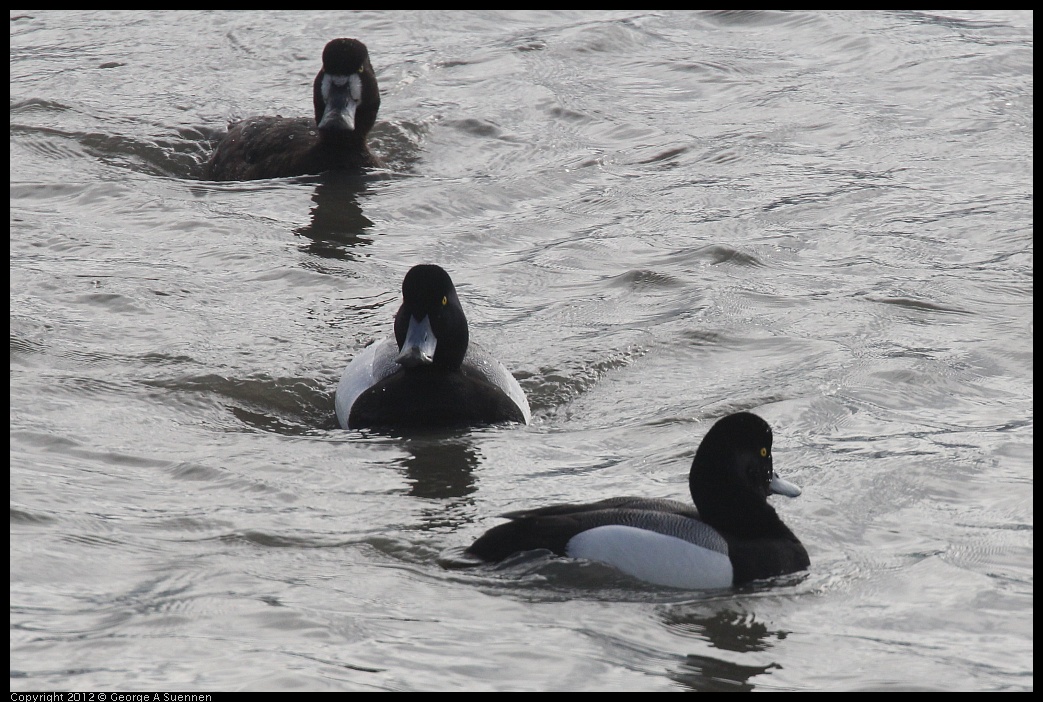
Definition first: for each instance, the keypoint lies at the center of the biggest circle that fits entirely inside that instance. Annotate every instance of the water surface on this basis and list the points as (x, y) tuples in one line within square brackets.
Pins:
[(653, 219)]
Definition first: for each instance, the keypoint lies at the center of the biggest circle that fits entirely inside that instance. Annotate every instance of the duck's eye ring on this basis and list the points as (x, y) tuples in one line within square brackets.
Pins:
[(361, 69), (445, 300), (764, 453)]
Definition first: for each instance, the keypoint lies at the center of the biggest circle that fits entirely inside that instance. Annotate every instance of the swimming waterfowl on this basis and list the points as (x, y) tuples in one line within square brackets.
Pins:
[(346, 98), (429, 374), (730, 537)]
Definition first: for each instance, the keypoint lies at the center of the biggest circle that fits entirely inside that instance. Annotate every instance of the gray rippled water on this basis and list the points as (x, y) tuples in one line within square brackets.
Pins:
[(652, 218)]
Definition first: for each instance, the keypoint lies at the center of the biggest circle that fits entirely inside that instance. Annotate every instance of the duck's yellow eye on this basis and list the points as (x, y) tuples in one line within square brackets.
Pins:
[(764, 453), (445, 300), (361, 69)]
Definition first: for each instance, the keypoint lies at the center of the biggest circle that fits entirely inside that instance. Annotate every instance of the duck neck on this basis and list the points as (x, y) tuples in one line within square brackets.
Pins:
[(737, 511), (342, 139)]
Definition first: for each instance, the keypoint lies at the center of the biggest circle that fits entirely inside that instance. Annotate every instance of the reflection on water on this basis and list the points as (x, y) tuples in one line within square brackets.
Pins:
[(337, 224), (440, 466), (725, 629), (707, 674)]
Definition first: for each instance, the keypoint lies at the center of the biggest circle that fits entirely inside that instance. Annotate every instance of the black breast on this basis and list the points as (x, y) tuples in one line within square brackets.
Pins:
[(430, 398)]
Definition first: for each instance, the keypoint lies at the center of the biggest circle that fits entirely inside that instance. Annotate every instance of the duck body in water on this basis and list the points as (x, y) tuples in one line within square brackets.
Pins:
[(346, 98), (731, 535)]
